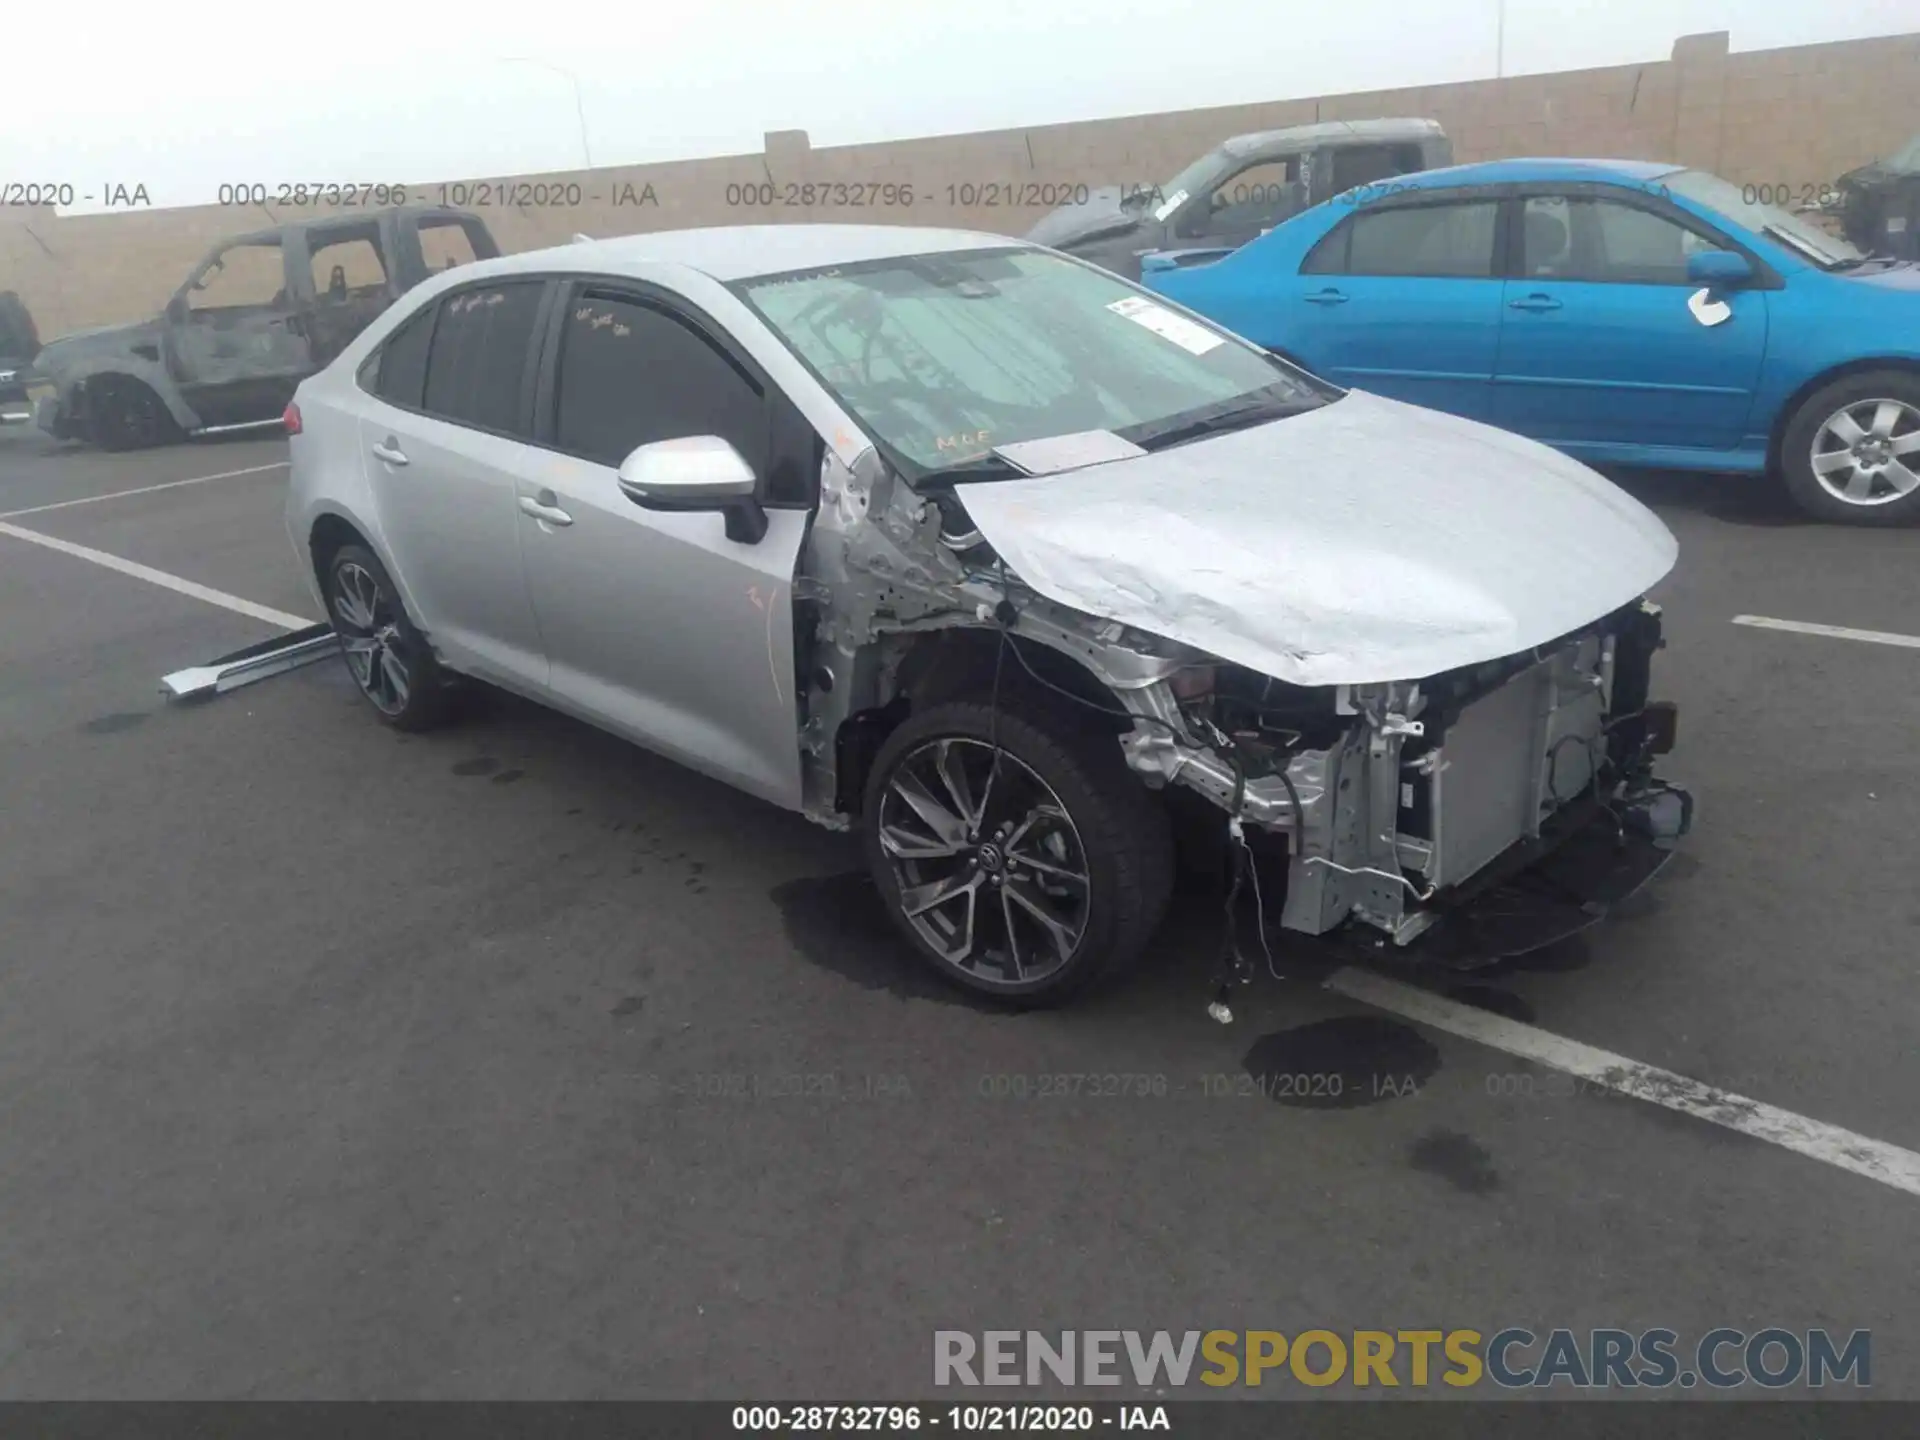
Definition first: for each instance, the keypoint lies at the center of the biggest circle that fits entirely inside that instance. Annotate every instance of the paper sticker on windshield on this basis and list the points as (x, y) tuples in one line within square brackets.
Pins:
[(1172, 203), (1194, 339)]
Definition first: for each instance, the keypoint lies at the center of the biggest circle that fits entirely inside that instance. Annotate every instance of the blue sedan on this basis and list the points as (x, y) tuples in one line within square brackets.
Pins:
[(1626, 313)]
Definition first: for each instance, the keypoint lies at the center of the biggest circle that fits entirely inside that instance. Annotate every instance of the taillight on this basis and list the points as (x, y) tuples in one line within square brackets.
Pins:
[(291, 419)]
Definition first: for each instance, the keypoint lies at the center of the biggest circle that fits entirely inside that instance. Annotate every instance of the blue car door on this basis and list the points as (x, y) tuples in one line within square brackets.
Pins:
[(1603, 341), (1402, 298)]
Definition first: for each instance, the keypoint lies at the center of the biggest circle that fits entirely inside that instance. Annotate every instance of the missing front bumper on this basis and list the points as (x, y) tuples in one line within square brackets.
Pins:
[(1544, 890)]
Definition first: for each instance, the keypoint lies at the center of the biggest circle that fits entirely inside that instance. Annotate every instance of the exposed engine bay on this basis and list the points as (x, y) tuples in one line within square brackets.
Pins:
[(1386, 801)]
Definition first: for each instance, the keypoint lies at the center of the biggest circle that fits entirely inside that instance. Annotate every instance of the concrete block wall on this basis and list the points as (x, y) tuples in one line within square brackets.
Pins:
[(1795, 117)]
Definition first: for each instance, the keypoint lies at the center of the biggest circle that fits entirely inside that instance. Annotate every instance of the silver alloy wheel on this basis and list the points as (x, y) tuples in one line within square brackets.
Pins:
[(989, 867), (370, 638), (1858, 453)]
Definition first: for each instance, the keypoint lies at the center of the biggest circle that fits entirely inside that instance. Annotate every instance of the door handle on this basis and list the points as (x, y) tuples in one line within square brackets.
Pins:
[(1329, 296), (545, 509), (1534, 302), (389, 450)]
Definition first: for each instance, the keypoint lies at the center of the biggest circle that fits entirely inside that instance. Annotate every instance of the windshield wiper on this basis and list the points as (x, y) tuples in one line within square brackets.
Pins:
[(1233, 414), (986, 467), (1805, 247)]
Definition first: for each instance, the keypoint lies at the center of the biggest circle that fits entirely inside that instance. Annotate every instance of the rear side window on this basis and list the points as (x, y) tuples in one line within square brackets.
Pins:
[(478, 358), (1364, 164), (631, 374), (1444, 241), (400, 370)]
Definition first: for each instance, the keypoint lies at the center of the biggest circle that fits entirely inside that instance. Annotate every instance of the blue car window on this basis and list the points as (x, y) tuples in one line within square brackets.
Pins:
[(1447, 240), (1606, 242)]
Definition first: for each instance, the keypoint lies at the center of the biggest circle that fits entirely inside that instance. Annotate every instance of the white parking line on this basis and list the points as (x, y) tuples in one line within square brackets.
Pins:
[(160, 578), (1832, 632), (143, 490), (1875, 1159)]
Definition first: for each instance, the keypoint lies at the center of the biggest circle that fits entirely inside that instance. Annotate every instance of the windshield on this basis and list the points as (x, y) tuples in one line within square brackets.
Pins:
[(1730, 200), (943, 357)]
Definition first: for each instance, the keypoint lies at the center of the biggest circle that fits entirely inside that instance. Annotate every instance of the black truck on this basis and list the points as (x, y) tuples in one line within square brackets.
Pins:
[(1240, 189), (261, 313)]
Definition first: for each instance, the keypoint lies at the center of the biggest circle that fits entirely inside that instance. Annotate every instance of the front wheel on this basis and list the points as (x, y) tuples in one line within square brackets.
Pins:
[(1851, 453), (1017, 854), (128, 415)]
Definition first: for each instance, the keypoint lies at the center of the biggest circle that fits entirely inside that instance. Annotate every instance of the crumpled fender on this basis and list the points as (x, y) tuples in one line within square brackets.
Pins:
[(149, 372)]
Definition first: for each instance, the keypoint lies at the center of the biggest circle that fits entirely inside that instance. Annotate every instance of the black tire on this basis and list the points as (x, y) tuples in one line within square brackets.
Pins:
[(1806, 432), (1119, 828), (126, 414), (428, 689)]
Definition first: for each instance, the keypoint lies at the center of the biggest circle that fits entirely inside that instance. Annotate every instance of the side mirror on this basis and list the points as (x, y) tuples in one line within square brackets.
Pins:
[(1159, 260), (1718, 269), (699, 472)]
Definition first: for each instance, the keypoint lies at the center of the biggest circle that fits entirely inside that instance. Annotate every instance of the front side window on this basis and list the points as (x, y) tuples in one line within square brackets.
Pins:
[(248, 276), (1255, 198), (943, 357), (631, 374), (1605, 242), (479, 355)]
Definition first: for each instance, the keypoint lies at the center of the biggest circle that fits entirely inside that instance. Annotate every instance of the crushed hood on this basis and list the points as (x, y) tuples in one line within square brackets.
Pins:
[(1368, 540), (1102, 213)]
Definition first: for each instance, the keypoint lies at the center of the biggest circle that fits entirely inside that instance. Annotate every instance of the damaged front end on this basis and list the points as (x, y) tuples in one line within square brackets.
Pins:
[(1382, 809), (1400, 805)]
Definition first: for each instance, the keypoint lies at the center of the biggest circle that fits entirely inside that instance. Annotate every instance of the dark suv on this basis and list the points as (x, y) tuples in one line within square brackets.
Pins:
[(19, 344), (1240, 189), (254, 319)]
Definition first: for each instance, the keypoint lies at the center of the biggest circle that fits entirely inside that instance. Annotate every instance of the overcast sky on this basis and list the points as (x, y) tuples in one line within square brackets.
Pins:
[(183, 97)]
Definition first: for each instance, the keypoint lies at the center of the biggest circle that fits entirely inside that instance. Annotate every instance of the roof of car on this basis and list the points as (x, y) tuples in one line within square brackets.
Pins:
[(1325, 131), (1504, 172), (740, 252)]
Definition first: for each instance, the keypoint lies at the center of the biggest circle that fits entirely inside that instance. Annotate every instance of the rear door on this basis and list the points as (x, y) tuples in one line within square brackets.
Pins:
[(347, 281), (443, 437), (1403, 298), (657, 625), (1602, 341)]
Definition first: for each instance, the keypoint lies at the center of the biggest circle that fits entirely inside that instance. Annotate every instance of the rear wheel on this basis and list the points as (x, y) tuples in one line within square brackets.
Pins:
[(388, 658), (128, 415), (1851, 453), (1017, 853)]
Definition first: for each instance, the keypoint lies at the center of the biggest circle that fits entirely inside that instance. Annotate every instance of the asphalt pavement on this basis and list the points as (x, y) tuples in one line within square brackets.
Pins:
[(511, 1061)]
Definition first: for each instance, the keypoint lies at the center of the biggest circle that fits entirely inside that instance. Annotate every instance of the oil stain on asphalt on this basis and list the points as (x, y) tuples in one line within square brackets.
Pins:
[(479, 765), (1343, 1063), (114, 724), (1460, 1160)]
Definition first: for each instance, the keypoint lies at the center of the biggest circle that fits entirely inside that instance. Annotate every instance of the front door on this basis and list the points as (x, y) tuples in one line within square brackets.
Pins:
[(656, 624), (235, 344), (1604, 341)]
